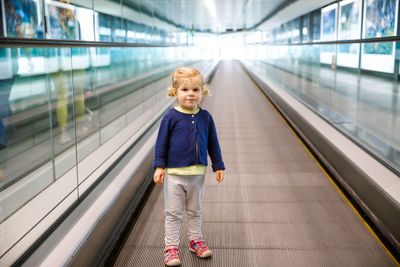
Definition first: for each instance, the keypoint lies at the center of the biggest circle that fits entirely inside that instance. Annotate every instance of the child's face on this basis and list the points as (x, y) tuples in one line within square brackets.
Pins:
[(189, 94)]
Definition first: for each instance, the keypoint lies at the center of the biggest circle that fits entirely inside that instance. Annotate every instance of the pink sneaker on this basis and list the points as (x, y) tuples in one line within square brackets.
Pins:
[(171, 256), (200, 248)]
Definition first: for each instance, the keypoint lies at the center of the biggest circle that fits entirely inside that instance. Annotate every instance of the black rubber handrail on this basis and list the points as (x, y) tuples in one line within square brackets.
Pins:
[(17, 42), (351, 41), (25, 42)]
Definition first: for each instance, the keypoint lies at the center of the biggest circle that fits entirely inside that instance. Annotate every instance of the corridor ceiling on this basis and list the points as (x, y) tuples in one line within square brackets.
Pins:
[(220, 16)]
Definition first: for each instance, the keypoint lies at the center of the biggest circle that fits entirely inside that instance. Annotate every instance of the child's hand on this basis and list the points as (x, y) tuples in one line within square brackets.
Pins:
[(159, 176), (220, 175)]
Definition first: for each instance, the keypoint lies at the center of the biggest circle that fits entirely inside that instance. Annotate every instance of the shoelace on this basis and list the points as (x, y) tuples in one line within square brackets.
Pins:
[(201, 245), (172, 254)]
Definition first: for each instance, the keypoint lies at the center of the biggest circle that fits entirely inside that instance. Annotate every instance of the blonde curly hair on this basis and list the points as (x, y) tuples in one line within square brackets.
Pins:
[(187, 73)]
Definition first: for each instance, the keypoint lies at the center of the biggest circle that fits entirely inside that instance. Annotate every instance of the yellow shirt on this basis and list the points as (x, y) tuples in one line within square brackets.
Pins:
[(189, 170)]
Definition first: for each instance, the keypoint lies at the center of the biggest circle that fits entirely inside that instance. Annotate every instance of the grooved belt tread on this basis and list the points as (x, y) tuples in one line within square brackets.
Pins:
[(275, 207)]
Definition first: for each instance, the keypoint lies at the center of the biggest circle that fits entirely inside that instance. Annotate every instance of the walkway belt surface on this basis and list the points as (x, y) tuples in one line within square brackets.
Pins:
[(275, 207)]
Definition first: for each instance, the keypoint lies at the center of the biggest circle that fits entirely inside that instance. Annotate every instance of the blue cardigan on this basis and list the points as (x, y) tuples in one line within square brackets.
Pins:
[(177, 137)]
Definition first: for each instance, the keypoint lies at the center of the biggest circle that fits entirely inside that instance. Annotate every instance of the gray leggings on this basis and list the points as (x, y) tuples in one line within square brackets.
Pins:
[(183, 192)]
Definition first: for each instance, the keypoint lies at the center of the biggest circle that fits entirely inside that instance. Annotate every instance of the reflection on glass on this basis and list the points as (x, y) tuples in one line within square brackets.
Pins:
[(350, 19), (349, 28), (23, 19), (8, 69), (378, 48), (379, 18), (85, 106), (348, 55), (79, 78), (104, 27), (305, 31), (378, 57), (328, 33), (80, 66), (379, 21), (23, 98), (62, 80), (316, 30), (328, 22), (294, 31), (63, 24), (25, 142), (86, 24), (103, 63), (117, 32)]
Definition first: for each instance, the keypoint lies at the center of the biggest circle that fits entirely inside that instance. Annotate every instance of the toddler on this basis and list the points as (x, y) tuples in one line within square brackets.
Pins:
[(186, 133)]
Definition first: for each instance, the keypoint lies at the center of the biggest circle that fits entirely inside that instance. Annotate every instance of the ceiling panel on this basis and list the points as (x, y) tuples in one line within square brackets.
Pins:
[(214, 15), (225, 15)]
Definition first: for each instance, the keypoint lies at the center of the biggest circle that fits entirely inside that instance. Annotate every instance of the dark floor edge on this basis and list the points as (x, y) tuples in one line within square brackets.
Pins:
[(112, 255)]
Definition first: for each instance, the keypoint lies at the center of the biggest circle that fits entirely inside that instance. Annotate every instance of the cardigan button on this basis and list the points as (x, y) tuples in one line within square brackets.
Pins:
[(192, 115), (192, 121)]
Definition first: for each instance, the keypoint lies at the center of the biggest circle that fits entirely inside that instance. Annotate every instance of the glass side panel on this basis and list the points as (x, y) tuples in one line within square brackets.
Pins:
[(364, 106), (25, 139)]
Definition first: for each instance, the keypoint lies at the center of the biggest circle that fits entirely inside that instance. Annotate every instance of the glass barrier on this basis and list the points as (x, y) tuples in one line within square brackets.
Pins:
[(54, 98), (357, 92), (63, 112)]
